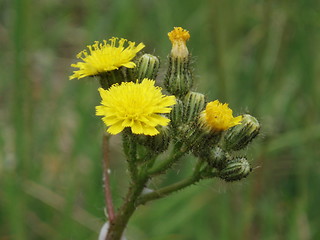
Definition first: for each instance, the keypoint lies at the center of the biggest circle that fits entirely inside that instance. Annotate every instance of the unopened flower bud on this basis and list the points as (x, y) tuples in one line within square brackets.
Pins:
[(176, 114), (194, 103), (158, 143), (241, 135), (178, 79), (235, 170), (215, 157), (147, 67)]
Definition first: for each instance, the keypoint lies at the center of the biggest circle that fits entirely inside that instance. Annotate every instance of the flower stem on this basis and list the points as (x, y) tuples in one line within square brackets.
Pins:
[(106, 181), (162, 192), (127, 209), (200, 172)]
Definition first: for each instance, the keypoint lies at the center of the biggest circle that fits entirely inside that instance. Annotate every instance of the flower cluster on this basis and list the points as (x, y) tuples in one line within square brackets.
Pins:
[(130, 100), (153, 123)]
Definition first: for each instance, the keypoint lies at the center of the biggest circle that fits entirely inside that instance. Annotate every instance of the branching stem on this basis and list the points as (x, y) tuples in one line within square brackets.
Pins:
[(162, 192)]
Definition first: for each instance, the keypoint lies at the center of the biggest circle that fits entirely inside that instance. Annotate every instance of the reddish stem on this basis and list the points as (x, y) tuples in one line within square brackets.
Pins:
[(107, 190)]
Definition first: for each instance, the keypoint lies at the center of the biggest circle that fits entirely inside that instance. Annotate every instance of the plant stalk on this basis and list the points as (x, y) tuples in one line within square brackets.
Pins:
[(106, 181), (125, 212), (162, 192)]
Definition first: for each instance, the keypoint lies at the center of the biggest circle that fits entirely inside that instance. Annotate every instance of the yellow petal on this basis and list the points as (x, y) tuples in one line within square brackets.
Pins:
[(129, 65), (137, 128), (147, 130), (115, 128), (100, 110)]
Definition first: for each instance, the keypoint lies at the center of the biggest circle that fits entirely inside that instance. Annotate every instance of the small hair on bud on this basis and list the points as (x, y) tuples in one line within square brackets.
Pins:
[(147, 67), (235, 170), (240, 136), (194, 103)]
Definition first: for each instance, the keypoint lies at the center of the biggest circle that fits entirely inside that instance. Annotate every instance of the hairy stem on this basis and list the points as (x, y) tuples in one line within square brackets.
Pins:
[(137, 183), (106, 181), (125, 212), (130, 149), (162, 192), (200, 172)]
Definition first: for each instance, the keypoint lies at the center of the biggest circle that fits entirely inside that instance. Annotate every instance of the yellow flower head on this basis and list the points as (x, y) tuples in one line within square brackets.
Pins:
[(106, 56), (134, 105), (218, 117), (178, 37)]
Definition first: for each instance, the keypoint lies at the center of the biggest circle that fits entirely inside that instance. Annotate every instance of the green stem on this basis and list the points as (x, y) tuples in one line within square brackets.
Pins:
[(125, 212), (162, 192), (138, 181), (176, 154), (200, 172)]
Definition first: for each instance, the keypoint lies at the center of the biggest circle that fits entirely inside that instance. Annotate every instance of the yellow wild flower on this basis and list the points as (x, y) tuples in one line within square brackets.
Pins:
[(106, 56), (218, 117), (135, 105)]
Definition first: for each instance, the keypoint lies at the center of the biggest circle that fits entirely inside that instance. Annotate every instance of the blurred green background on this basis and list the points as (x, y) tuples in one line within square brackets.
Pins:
[(262, 57)]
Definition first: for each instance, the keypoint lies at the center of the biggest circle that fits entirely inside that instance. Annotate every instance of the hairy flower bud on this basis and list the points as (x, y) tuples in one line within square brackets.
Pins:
[(178, 79), (147, 67), (194, 103), (215, 157), (235, 170), (176, 114), (241, 135)]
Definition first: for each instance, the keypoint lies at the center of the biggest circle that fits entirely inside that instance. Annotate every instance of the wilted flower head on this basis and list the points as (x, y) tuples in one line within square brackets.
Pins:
[(106, 56), (135, 105), (178, 37)]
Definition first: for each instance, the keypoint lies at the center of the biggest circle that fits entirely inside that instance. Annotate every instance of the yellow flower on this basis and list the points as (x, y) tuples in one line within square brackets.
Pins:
[(135, 105), (178, 37), (218, 117), (104, 57)]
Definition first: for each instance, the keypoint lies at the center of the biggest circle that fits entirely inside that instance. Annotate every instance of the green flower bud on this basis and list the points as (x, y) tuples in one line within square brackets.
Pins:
[(241, 135), (158, 143), (187, 110), (176, 115), (235, 170), (178, 79), (107, 79), (194, 103), (216, 157), (219, 156), (147, 67)]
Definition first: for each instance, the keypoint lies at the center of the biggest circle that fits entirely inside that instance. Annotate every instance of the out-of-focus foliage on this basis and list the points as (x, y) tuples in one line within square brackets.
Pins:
[(263, 55)]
